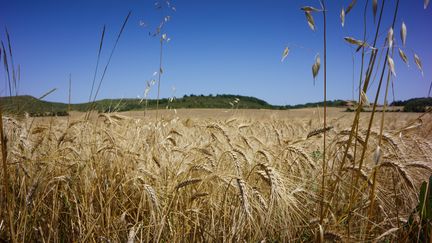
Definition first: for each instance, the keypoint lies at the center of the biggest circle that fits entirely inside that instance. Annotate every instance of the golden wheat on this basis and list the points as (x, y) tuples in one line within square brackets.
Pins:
[(116, 178)]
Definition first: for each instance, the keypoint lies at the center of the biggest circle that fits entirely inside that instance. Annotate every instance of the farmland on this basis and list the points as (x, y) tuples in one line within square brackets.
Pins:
[(210, 175), (327, 138)]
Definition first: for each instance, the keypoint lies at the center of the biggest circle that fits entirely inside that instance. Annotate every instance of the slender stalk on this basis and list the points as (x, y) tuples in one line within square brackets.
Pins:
[(395, 199), (14, 78), (430, 88), (97, 63), (353, 76), (6, 66), (365, 85), (393, 92), (109, 61), (375, 172), (365, 147), (357, 125), (359, 97), (372, 202), (324, 166), (112, 53), (360, 105), (69, 103), (159, 76), (7, 196)]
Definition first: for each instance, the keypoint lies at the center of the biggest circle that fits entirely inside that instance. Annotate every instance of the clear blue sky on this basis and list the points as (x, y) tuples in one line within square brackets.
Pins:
[(217, 46)]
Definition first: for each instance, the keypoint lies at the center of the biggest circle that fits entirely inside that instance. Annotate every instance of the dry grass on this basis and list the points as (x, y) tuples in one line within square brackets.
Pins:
[(118, 178)]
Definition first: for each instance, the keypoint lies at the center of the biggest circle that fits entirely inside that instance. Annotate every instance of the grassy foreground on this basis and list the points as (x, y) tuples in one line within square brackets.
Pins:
[(118, 179)]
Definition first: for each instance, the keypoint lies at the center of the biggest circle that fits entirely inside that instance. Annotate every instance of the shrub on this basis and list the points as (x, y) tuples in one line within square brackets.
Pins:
[(418, 105)]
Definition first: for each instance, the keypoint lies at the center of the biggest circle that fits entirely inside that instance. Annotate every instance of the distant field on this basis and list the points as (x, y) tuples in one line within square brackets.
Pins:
[(304, 114)]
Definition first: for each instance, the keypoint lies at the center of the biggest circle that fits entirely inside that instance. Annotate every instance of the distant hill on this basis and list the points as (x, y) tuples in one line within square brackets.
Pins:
[(415, 104), (330, 103), (34, 106), (26, 103)]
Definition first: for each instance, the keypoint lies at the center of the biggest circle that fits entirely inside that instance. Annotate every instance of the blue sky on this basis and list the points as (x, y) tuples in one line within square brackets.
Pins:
[(216, 47)]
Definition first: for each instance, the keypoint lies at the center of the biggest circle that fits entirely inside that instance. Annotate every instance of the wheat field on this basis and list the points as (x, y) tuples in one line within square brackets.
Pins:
[(243, 176), (220, 175)]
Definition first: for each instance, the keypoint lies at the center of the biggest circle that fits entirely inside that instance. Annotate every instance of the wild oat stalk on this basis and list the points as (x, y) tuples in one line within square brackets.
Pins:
[(378, 155), (324, 169), (159, 76), (69, 100), (14, 74), (354, 126), (97, 62), (92, 105), (162, 38), (6, 66), (359, 98), (315, 69)]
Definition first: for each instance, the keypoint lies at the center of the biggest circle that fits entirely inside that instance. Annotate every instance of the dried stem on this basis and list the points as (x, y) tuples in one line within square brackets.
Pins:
[(159, 76), (372, 194), (69, 100), (363, 154), (92, 106), (325, 115), (354, 126), (97, 62)]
